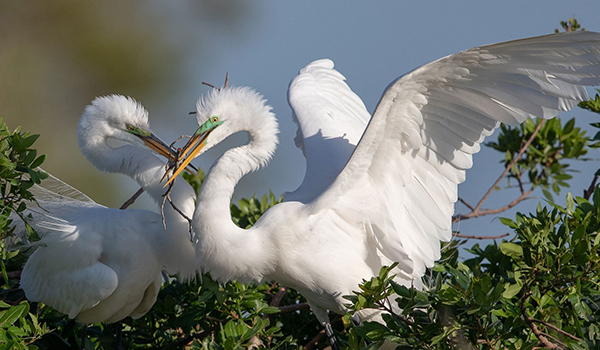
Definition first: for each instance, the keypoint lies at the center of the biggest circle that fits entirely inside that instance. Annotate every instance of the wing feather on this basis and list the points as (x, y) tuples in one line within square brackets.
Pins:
[(53, 189), (331, 119), (430, 122), (65, 284)]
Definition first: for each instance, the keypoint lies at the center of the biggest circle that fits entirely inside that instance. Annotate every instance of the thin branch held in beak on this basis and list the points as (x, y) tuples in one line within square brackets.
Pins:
[(192, 148)]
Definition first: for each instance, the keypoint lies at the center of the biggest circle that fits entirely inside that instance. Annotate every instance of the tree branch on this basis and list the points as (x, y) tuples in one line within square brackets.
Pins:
[(466, 203), (200, 335), (480, 237), (277, 297), (588, 193), (547, 343), (556, 329), (292, 308), (132, 199), (312, 344), (476, 211)]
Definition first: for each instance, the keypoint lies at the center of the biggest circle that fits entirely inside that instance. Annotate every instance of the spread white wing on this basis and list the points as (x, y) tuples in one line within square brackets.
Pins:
[(430, 122), (331, 119), (53, 189)]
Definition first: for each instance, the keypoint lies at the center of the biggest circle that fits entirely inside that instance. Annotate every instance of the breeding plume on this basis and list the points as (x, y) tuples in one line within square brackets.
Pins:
[(391, 197), (101, 264)]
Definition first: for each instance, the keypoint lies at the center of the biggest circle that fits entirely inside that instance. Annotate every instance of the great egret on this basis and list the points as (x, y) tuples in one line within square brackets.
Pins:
[(100, 264), (394, 197)]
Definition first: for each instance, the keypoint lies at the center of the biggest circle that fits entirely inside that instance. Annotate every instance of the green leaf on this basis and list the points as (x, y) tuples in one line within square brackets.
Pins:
[(28, 141), (511, 249), (38, 161), (510, 290), (11, 315), (508, 222), (570, 204)]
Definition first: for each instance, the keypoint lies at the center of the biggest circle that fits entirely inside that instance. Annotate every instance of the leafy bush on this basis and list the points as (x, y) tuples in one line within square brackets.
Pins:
[(19, 163)]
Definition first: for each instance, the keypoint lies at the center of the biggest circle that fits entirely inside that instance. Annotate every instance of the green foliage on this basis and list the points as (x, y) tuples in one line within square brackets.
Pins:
[(543, 164), (591, 105), (543, 284), (19, 171), (570, 25), (195, 180), (249, 210)]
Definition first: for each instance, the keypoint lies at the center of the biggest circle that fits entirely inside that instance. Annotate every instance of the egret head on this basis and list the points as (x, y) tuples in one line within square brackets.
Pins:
[(224, 112), (120, 118)]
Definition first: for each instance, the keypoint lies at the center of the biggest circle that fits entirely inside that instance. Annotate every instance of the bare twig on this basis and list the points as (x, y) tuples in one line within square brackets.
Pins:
[(547, 343), (162, 205), (293, 308), (277, 297), (549, 325), (211, 85), (180, 137), (476, 211), (312, 344), (218, 88), (132, 199), (466, 203), (588, 193), (179, 211), (480, 237)]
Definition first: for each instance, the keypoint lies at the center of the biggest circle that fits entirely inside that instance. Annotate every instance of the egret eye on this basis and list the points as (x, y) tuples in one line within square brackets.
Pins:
[(130, 127), (214, 119)]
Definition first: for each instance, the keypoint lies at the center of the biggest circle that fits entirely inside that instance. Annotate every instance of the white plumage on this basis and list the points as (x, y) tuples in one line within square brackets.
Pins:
[(101, 264), (391, 198)]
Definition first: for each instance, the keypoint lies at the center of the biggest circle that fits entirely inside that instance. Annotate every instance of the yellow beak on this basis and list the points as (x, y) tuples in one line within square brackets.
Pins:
[(192, 148), (158, 146)]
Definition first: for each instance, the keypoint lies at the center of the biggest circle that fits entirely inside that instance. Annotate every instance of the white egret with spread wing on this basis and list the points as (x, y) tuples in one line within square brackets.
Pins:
[(390, 198), (101, 264)]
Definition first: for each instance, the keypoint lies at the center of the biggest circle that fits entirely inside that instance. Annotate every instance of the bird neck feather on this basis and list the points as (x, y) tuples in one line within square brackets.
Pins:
[(225, 250)]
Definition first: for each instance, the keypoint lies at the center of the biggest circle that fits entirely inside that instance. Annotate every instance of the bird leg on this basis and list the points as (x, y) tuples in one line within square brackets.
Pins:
[(323, 318), (331, 336)]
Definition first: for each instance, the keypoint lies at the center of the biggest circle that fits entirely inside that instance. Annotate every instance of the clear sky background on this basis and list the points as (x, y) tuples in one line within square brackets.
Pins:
[(371, 43)]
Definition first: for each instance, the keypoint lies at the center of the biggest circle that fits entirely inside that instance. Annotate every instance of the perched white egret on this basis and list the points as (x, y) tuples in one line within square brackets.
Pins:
[(390, 198), (101, 264)]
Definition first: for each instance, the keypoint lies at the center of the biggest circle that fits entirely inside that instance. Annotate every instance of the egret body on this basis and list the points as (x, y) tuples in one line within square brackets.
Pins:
[(391, 197), (100, 264)]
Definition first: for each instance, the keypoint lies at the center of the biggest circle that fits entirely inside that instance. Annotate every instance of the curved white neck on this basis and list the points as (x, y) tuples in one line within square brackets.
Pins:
[(223, 249)]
